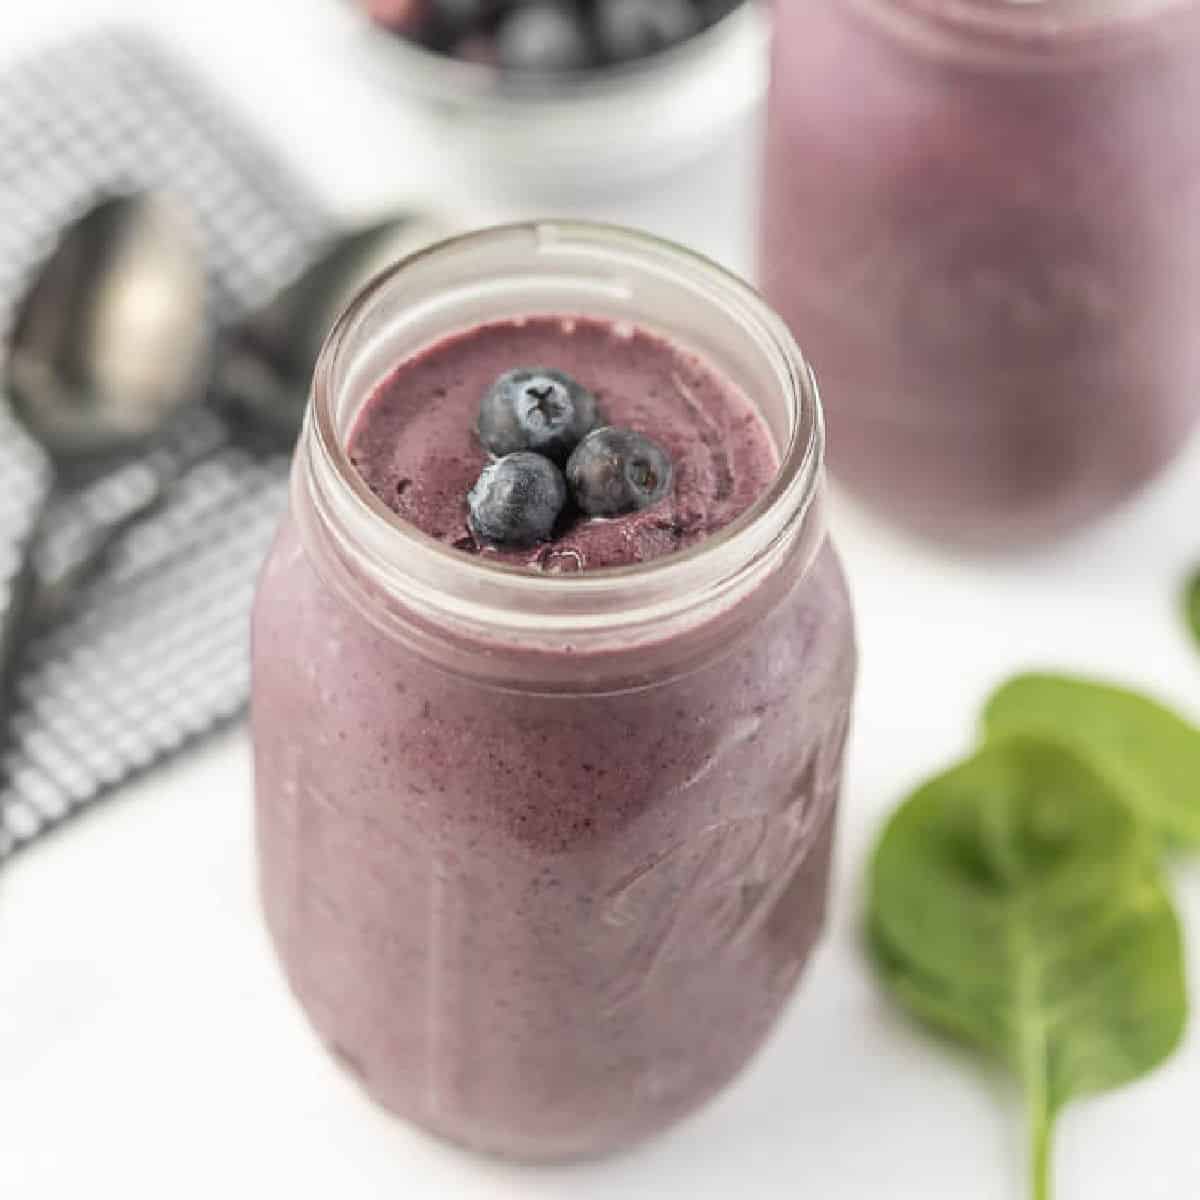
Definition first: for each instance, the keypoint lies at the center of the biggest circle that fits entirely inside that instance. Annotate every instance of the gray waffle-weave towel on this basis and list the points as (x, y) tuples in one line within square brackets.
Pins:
[(152, 653)]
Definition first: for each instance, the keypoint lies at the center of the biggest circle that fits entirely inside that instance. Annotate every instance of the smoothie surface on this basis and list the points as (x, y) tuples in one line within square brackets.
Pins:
[(416, 446)]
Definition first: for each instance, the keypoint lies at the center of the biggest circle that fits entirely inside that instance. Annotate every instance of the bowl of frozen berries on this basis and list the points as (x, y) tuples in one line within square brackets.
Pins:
[(535, 38), (578, 87)]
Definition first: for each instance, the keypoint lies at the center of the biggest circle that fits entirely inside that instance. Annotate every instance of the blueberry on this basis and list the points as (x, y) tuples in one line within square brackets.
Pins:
[(457, 19), (532, 408), (629, 29), (543, 37), (615, 471), (712, 11), (516, 500)]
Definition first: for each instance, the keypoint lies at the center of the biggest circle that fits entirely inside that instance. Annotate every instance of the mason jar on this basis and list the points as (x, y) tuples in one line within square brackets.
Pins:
[(543, 856), (982, 216)]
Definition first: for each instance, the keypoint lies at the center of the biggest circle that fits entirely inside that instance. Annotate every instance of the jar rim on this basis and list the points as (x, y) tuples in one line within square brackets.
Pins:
[(1022, 28), (435, 577)]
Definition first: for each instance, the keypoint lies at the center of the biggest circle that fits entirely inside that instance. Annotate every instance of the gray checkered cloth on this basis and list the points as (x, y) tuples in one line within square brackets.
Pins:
[(151, 652)]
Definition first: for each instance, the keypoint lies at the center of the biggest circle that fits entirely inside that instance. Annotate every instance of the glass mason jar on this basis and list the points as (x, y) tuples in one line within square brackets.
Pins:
[(544, 855), (982, 214)]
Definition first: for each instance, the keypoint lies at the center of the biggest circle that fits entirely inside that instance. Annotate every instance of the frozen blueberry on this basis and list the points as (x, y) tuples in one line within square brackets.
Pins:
[(543, 36), (516, 500), (712, 11), (457, 19), (615, 471), (532, 408), (629, 29)]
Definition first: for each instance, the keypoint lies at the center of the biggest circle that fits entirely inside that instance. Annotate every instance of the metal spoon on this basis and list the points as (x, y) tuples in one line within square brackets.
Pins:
[(266, 364), (109, 344)]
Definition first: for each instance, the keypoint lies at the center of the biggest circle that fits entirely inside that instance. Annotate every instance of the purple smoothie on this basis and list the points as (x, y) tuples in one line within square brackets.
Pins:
[(980, 219), (416, 447), (547, 920)]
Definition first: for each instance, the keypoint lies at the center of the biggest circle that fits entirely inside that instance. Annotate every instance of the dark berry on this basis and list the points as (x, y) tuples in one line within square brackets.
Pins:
[(542, 37), (457, 19), (615, 471), (531, 408), (712, 11), (517, 500), (463, 13), (629, 29)]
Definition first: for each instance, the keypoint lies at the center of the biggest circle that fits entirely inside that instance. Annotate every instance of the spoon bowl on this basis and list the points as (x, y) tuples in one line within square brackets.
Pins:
[(109, 345), (111, 340)]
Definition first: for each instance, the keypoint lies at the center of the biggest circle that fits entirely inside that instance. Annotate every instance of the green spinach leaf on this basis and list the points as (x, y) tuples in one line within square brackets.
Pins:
[(1191, 605), (1016, 905), (1149, 753)]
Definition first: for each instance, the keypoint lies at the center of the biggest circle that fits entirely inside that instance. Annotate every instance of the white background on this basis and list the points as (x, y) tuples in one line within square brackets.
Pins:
[(147, 1045)]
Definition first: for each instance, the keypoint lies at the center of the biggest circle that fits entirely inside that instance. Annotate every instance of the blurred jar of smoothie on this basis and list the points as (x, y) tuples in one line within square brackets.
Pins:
[(982, 214)]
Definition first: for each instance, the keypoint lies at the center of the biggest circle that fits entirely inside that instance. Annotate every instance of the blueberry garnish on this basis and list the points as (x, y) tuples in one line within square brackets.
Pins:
[(516, 500), (615, 471), (542, 36), (629, 29), (536, 409)]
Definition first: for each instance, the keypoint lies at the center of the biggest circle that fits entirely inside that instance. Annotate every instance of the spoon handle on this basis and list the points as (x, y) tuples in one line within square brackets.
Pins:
[(73, 534), (17, 594), (72, 547), (83, 533)]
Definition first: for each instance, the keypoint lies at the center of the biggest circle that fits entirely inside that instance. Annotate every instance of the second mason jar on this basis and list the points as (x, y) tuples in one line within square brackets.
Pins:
[(982, 216), (544, 855)]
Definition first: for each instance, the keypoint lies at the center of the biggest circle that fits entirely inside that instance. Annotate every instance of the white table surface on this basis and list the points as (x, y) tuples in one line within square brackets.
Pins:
[(148, 1047)]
